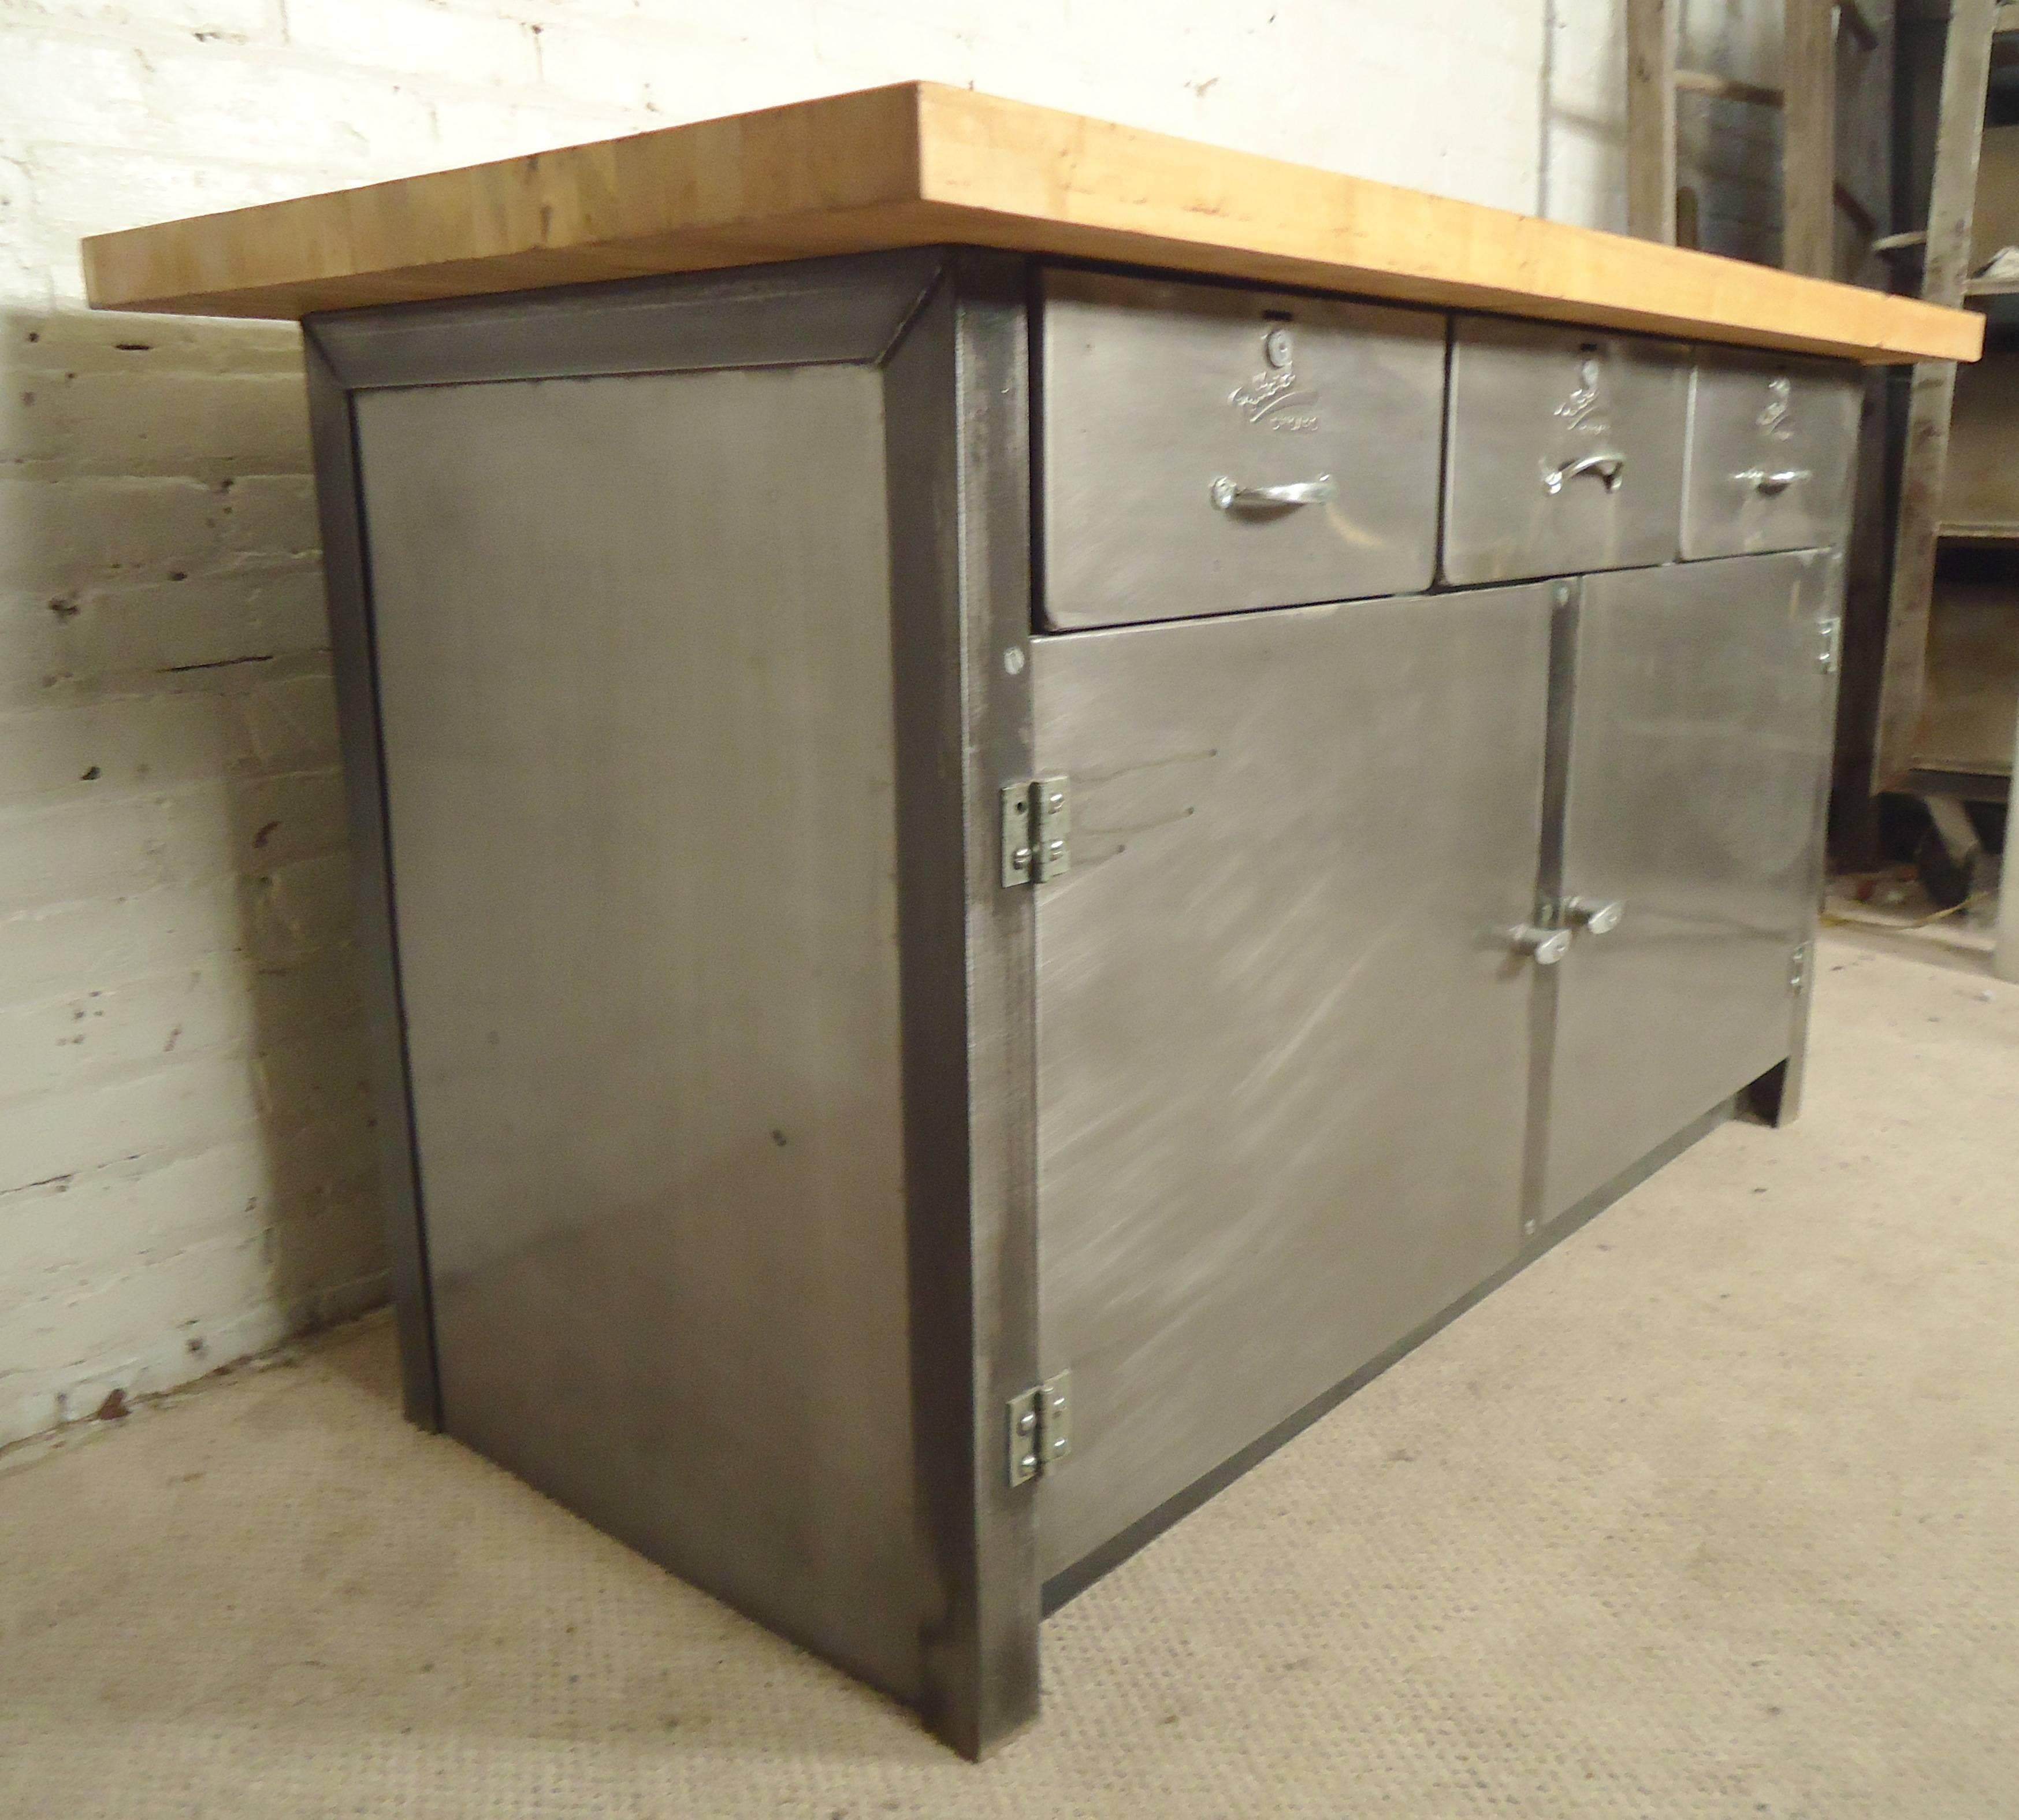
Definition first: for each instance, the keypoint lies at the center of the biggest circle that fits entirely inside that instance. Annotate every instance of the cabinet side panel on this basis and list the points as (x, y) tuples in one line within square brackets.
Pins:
[(634, 658)]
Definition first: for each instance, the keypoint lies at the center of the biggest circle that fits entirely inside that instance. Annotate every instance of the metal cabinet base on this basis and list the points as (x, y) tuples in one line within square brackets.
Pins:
[(881, 1107)]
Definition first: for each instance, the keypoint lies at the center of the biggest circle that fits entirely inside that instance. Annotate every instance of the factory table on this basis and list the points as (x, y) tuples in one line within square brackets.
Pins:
[(1024, 796)]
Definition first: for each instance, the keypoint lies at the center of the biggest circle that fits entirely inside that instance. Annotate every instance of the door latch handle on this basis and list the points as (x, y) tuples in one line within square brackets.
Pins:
[(1611, 468), (1545, 947), (1230, 495), (1595, 916), (1772, 481)]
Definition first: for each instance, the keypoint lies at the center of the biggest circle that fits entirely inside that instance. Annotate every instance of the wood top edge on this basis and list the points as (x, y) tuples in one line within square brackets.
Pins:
[(912, 163)]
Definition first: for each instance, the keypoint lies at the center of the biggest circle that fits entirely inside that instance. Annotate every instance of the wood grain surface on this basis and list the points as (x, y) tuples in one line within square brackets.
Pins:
[(918, 164)]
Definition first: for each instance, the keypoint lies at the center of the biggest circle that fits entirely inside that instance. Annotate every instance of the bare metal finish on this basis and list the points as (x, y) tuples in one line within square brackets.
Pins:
[(1699, 738), (1829, 646), (804, 313), (1564, 451), (1300, 837), (1040, 1429), (1773, 449), (947, 421), (1051, 828), (1230, 495), (1608, 470), (1026, 1413), (957, 422), (657, 1081), (1594, 915), (883, 1106), (371, 871), (1777, 1095), (1207, 449), (1544, 945)]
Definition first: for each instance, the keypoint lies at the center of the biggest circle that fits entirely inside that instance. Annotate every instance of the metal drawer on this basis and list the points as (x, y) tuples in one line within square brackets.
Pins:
[(1206, 450), (1565, 451), (1773, 447)]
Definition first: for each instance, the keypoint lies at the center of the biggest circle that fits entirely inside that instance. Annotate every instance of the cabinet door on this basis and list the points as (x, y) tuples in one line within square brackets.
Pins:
[(1282, 1043), (1693, 799)]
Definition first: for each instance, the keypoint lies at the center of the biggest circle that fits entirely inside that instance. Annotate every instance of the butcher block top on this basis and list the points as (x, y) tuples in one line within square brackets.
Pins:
[(919, 165)]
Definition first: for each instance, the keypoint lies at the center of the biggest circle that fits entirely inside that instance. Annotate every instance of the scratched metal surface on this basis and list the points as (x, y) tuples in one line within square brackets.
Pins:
[(1531, 405), (1700, 728), (1773, 444), (1283, 1051), (645, 854), (1151, 391)]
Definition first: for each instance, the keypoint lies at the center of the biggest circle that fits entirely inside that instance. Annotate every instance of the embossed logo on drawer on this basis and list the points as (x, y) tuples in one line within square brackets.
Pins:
[(1780, 407), (1584, 408), (1273, 398)]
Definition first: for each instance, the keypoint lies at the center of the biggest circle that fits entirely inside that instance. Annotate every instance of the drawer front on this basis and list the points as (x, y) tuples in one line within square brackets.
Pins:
[(1773, 449), (1168, 413), (1565, 451)]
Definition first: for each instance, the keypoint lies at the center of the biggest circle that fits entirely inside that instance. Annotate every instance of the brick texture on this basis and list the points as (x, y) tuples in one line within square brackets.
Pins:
[(185, 1169)]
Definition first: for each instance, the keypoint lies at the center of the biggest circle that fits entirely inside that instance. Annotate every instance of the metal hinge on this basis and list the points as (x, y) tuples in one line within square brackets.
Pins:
[(1829, 654), (1037, 830), (1798, 967), (1040, 1428)]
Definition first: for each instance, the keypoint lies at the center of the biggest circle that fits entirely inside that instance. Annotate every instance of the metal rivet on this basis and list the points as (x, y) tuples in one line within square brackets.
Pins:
[(1563, 594), (1029, 1462), (1026, 1422), (1012, 661)]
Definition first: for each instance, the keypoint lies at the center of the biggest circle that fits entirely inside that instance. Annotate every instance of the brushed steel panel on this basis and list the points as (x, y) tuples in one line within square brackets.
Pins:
[(1773, 447), (957, 400), (1699, 734), (1151, 390), (370, 871), (803, 312), (634, 661), (1529, 404), (1282, 1049)]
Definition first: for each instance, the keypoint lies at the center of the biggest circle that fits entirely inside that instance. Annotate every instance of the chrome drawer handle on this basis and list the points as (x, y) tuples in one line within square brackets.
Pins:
[(1230, 495), (1546, 946), (1771, 481), (1611, 468), (1595, 916)]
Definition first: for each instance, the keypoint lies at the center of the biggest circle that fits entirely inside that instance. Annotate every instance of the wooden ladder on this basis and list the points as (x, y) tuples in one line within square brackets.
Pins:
[(1972, 26), (1811, 197)]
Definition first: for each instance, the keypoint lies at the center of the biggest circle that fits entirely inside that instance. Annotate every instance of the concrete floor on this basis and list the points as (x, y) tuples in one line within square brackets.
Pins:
[(1713, 1511)]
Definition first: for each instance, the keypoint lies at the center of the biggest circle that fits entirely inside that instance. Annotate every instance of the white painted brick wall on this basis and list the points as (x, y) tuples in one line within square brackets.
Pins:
[(184, 1157)]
